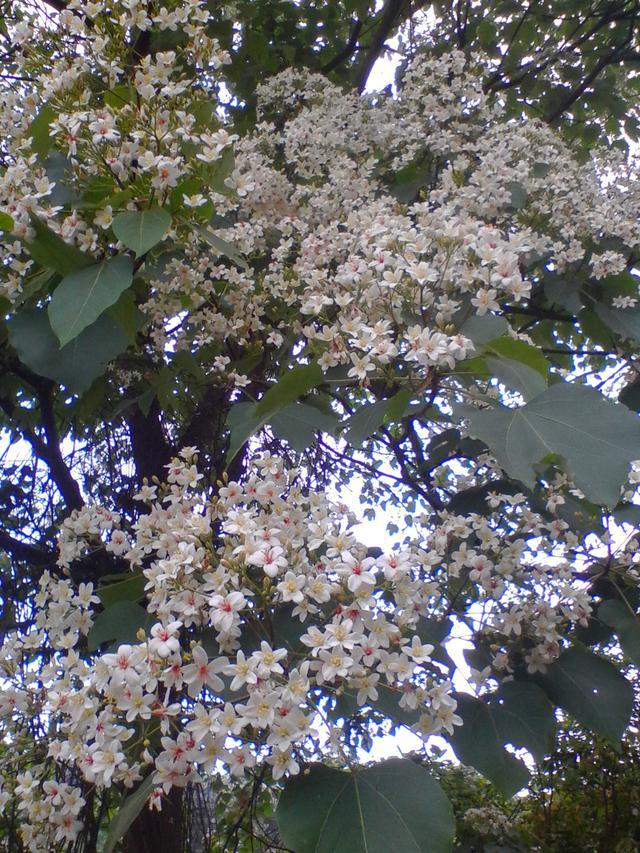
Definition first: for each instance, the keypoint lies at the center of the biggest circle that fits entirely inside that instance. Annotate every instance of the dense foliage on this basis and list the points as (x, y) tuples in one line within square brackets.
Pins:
[(581, 797), (245, 304)]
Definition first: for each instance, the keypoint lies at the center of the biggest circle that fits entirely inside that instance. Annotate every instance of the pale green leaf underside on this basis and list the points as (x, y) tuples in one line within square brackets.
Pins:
[(394, 805), (141, 230), (83, 296), (596, 438)]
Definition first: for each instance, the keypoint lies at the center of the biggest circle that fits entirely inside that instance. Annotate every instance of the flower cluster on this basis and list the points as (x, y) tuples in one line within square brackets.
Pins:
[(266, 622), (369, 235), (370, 228)]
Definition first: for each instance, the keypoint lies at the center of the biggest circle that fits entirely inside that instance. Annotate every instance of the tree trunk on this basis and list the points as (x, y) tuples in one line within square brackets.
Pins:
[(158, 832)]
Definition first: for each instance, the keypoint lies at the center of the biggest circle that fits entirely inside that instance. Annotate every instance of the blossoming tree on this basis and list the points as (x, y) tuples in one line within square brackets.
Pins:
[(214, 330)]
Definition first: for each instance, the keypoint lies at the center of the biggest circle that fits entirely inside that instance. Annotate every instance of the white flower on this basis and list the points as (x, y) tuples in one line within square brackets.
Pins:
[(202, 673), (225, 609), (165, 640)]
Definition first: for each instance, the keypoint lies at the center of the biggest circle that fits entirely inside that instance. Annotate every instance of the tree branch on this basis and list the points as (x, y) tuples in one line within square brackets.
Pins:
[(392, 10), (24, 551), (58, 5), (51, 453), (584, 84), (348, 50), (151, 450), (47, 450)]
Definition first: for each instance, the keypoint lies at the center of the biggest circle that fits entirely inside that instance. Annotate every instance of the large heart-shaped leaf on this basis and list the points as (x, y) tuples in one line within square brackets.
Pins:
[(524, 717), (83, 296), (141, 230), (485, 328), (75, 365), (517, 365), (592, 690), (625, 622), (223, 247), (395, 805), (128, 587), (480, 743), (291, 385), (520, 351), (520, 377), (365, 421), (120, 622), (625, 323), (597, 439), (39, 131), (51, 251)]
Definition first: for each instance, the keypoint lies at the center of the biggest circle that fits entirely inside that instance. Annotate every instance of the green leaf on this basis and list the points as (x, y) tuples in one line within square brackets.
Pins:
[(630, 395), (487, 35), (449, 444), (388, 704), (517, 376), (220, 170), (563, 291), (57, 169), (581, 515), (392, 806), (222, 247), (595, 329), (482, 329), (625, 323), (83, 296), (120, 95), (127, 588), (596, 438), (592, 690), (619, 616), (130, 808), (516, 350), (36, 283), (524, 717), (245, 419), (626, 513), (97, 191), (51, 251), (398, 404), (78, 363), (474, 499), (119, 623), (6, 222), (479, 742), (243, 423), (287, 630), (435, 632), (518, 195), (366, 420), (291, 385), (126, 315), (298, 423), (141, 230), (476, 366), (188, 187), (407, 182), (41, 139)]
